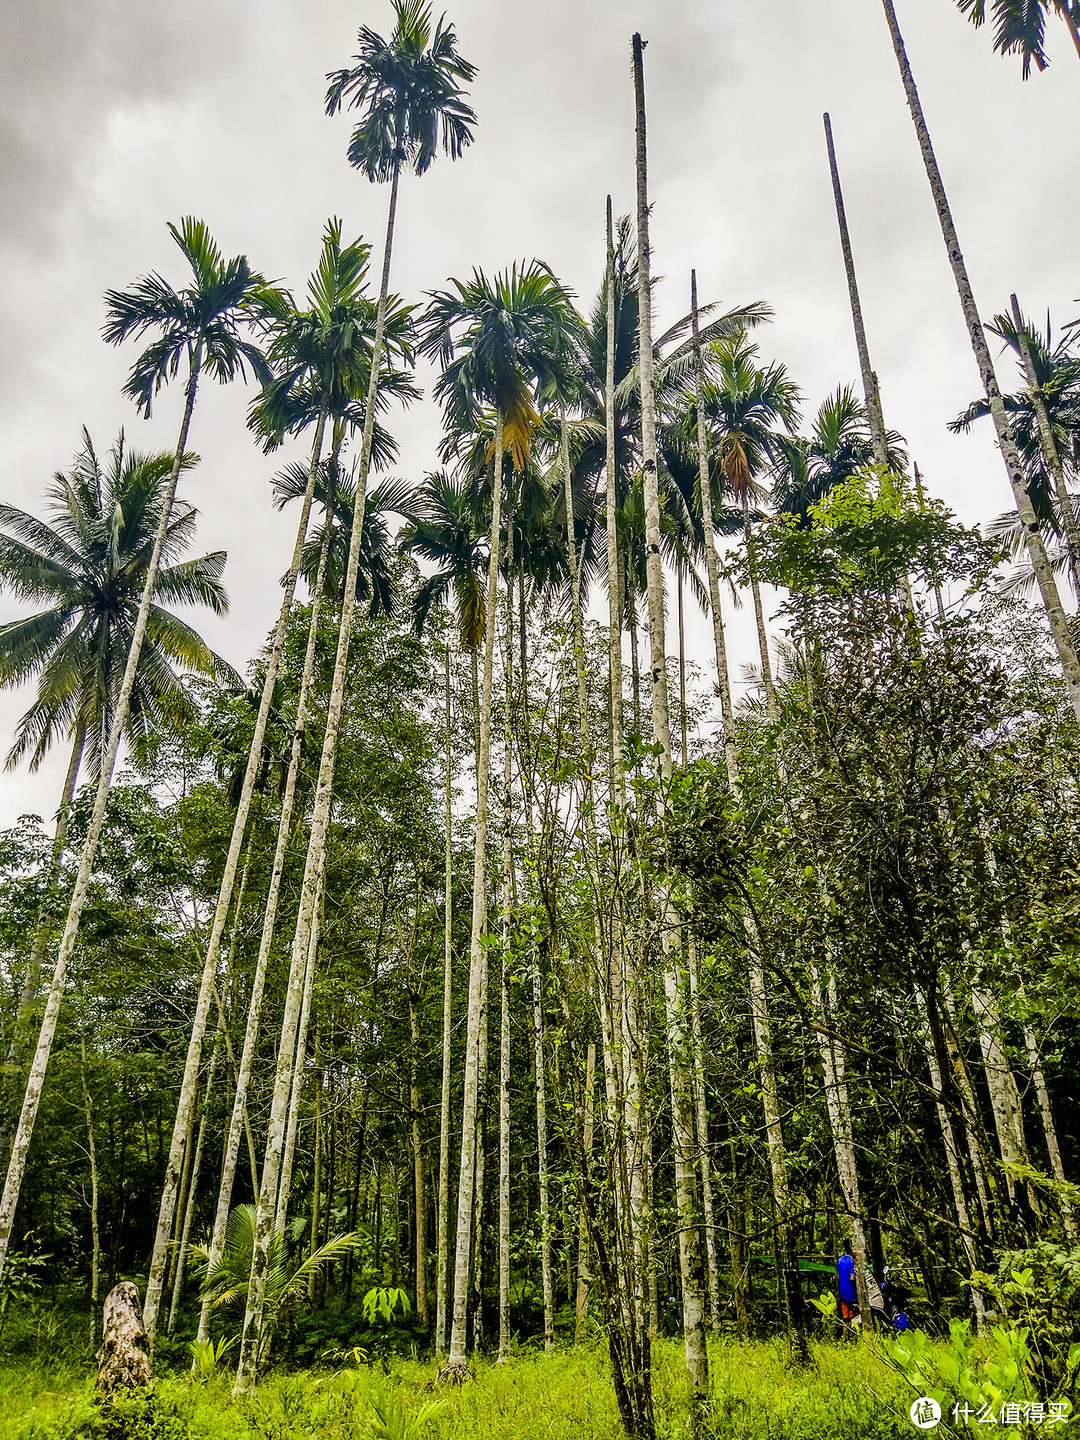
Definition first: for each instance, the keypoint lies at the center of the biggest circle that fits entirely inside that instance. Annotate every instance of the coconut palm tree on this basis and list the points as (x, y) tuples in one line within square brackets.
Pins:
[(1040, 563), (499, 342), (1020, 26), (409, 93), (201, 327), (89, 565)]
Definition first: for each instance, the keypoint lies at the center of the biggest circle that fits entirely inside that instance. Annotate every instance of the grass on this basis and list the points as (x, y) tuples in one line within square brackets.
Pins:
[(848, 1391)]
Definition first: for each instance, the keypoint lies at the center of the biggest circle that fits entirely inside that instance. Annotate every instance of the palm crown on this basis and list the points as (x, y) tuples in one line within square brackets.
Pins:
[(89, 566), (201, 322), (408, 89)]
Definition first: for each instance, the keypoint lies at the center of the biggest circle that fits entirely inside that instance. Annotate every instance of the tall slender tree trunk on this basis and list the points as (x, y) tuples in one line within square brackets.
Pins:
[(711, 563), (442, 1239), (702, 1114), (1040, 564), (419, 1191), (255, 1000), (504, 985), (313, 866), (189, 1080), (542, 1156), (193, 1185), (759, 614), (477, 965), (871, 392), (95, 1227), (1049, 449), (36, 1079), (21, 1030), (581, 1300), (679, 1060)]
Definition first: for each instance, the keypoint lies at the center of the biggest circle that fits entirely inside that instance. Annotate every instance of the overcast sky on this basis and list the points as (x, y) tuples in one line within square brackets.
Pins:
[(117, 116)]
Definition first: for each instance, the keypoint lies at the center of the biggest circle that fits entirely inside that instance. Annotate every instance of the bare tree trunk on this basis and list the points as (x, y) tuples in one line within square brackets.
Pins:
[(702, 1112), (313, 866), (193, 1184), (871, 392), (21, 1030), (581, 1306), (952, 1160), (477, 967), (504, 990), (680, 1065), (189, 1081), (420, 1197), (759, 614), (476, 1275), (95, 1229), (711, 565), (442, 1239), (36, 1079), (1040, 564), (238, 1117)]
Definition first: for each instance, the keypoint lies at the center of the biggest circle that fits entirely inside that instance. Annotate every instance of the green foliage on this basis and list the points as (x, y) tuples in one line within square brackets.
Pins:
[(987, 1372), (385, 1302), (207, 1355), (1038, 1288)]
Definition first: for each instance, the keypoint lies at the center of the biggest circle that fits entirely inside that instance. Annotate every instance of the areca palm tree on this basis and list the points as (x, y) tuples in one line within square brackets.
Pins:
[(498, 342), (839, 446), (1040, 564), (1050, 455), (749, 406), (322, 356), (409, 94), (89, 566), (1020, 26), (201, 326)]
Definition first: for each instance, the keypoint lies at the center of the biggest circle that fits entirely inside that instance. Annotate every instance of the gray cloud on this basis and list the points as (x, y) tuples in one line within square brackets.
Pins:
[(118, 115)]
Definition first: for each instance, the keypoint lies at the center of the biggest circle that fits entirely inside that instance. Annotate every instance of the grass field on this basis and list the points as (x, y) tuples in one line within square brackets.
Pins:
[(848, 1391)]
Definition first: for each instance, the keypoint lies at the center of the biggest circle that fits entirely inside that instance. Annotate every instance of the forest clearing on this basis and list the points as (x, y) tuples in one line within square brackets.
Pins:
[(483, 1012)]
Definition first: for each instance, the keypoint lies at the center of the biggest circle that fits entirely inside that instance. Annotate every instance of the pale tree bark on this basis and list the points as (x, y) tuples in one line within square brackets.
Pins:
[(542, 1156), (838, 1107), (189, 1080), (952, 1160), (442, 1240), (193, 1187), (1049, 448), (313, 865), (316, 1183), (711, 564), (759, 613), (504, 990), (759, 1004), (476, 1268), (416, 1132), (296, 1086), (95, 1228), (238, 1116), (1040, 564), (581, 1301), (679, 1061), (702, 1114), (871, 392), (477, 967), (36, 1079), (21, 1031), (1031, 1047)]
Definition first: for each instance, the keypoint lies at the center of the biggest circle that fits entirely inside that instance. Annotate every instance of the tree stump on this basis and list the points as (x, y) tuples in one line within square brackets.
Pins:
[(124, 1357), (454, 1372)]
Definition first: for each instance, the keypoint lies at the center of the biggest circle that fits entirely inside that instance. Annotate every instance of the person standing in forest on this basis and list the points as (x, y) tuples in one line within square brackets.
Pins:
[(845, 1273)]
